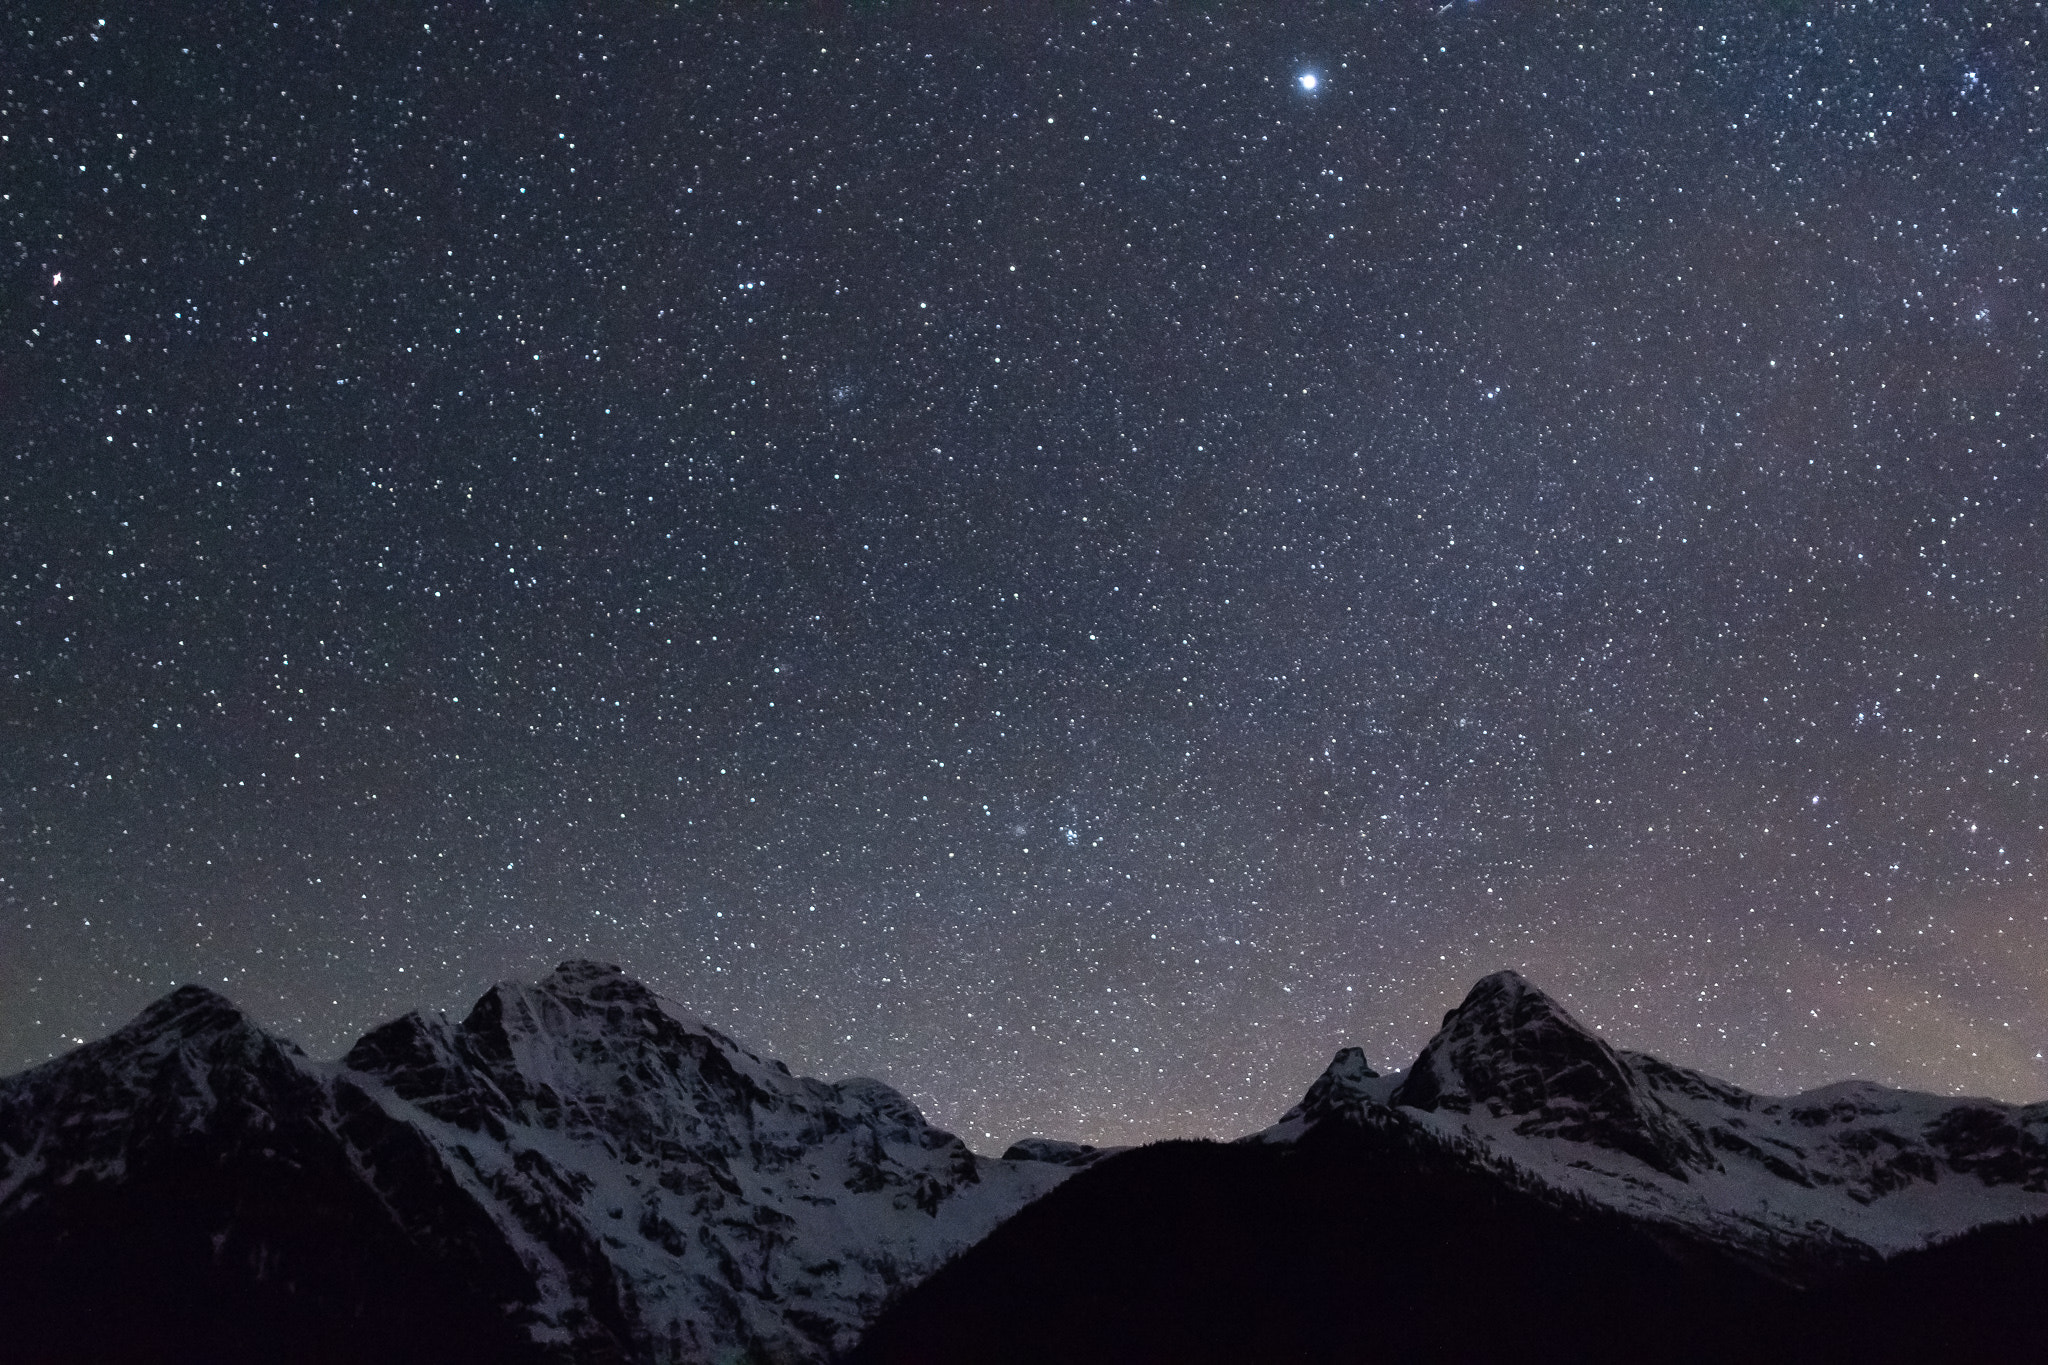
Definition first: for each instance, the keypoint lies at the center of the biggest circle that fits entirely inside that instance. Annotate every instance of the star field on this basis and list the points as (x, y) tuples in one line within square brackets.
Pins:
[(1073, 559)]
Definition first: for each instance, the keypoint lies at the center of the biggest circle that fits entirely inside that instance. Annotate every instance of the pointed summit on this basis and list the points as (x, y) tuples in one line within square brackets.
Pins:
[(1350, 1067), (586, 1047), (1346, 1089), (1503, 1019), (593, 989), (578, 996), (1512, 1052), (189, 1011), (202, 1025), (581, 976), (189, 1066)]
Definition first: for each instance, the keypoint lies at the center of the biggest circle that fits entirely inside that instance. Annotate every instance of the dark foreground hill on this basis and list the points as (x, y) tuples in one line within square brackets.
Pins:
[(1348, 1248), (1338, 1248)]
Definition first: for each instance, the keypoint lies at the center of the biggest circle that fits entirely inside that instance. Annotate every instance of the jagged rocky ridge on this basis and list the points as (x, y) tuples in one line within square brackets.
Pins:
[(577, 1169), (1852, 1169)]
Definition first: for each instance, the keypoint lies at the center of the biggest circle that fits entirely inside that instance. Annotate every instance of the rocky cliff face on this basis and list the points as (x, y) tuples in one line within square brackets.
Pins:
[(662, 1179), (192, 1189), (600, 1171), (1513, 1053)]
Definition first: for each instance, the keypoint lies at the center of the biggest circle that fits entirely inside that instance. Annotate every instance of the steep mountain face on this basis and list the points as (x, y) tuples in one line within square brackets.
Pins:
[(1345, 1090), (192, 1189), (576, 1170), (188, 1063), (1513, 1052), (687, 1195), (1845, 1171)]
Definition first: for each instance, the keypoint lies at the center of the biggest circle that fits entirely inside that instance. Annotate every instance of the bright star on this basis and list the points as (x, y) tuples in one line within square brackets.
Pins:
[(1308, 82)]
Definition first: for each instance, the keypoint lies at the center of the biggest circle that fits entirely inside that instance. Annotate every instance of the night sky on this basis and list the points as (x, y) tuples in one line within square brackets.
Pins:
[(1071, 558)]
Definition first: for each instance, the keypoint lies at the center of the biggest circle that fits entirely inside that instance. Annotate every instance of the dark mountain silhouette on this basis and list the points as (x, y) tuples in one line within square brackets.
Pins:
[(1343, 1247), (1352, 1248)]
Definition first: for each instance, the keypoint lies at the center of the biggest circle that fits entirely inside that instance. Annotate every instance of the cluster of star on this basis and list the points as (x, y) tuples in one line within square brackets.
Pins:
[(1076, 562)]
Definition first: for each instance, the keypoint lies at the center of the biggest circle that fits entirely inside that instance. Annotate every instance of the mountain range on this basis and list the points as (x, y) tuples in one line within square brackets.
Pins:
[(1523, 1191), (578, 1170)]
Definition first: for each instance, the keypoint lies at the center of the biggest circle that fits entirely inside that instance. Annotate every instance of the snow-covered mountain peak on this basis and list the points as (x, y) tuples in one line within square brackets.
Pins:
[(1349, 1068), (1347, 1089), (581, 1000), (1512, 1052), (188, 1009), (190, 1068), (584, 976), (601, 991), (1849, 1168), (584, 1048), (190, 1019), (1509, 1011), (187, 1047), (729, 1202)]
